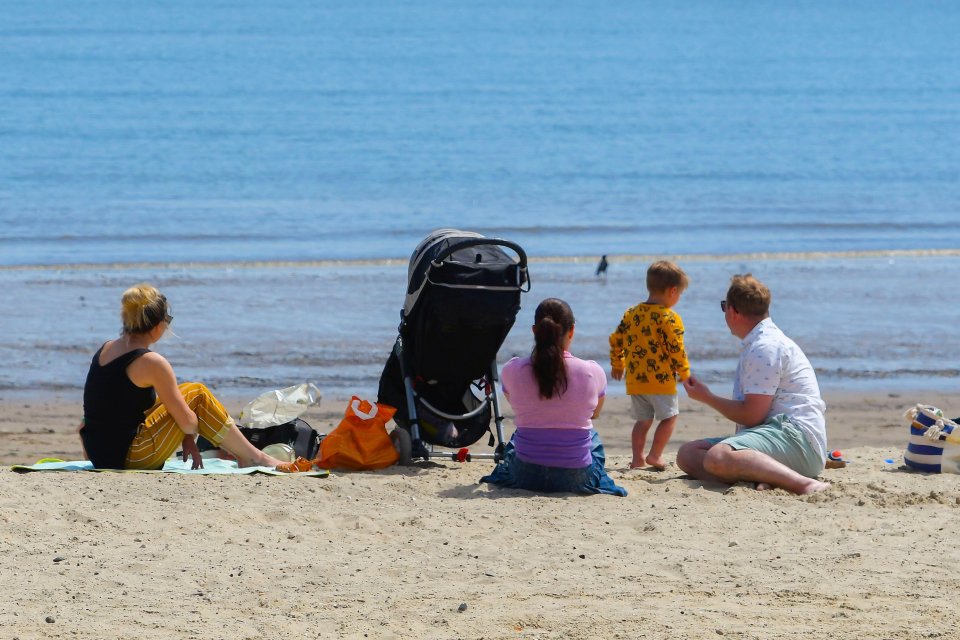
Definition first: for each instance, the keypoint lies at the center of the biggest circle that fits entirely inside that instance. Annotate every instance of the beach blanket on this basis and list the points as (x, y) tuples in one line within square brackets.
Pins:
[(211, 466)]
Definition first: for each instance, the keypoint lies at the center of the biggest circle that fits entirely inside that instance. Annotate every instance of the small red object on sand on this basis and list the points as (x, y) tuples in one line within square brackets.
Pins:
[(835, 460)]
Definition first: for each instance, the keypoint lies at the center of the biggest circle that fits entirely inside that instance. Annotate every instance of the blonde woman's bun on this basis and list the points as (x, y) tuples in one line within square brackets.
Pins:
[(142, 308)]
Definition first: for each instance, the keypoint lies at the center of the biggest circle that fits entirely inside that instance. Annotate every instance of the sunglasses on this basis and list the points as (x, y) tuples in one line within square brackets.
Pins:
[(723, 306), (168, 318)]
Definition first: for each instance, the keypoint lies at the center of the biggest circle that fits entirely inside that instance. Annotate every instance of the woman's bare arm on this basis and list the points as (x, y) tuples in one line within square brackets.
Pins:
[(153, 370), (596, 412)]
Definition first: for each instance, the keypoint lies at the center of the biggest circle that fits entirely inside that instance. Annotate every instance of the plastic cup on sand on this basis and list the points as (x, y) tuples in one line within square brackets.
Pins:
[(280, 451)]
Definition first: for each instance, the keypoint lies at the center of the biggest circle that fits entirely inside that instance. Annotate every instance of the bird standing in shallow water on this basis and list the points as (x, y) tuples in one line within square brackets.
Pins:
[(602, 267)]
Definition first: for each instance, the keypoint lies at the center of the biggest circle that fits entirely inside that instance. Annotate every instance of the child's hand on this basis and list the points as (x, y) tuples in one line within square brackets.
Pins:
[(616, 374)]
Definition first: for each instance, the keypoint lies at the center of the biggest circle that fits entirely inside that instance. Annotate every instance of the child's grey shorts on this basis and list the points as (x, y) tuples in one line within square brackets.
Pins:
[(655, 406)]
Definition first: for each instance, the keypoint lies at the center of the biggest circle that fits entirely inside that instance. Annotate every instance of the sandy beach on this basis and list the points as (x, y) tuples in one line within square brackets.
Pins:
[(272, 167), (427, 552)]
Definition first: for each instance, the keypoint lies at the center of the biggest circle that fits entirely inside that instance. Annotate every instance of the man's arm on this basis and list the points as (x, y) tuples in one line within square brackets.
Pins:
[(749, 412)]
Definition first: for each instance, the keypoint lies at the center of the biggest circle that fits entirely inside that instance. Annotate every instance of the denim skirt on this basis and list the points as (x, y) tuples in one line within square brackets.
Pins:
[(514, 473)]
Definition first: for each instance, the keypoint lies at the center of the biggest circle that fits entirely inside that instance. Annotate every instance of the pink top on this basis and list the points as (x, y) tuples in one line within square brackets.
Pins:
[(555, 432), (586, 384)]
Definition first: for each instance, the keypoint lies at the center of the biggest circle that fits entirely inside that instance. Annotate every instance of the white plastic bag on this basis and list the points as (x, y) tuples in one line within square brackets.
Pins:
[(279, 406)]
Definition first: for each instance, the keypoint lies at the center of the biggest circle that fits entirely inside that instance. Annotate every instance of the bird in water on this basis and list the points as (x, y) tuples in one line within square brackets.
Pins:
[(602, 267)]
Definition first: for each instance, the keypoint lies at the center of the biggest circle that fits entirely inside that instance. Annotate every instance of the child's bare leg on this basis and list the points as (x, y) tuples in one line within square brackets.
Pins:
[(660, 439), (639, 441)]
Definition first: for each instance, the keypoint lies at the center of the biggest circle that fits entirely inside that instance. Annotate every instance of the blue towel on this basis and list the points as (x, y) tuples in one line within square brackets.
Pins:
[(211, 466)]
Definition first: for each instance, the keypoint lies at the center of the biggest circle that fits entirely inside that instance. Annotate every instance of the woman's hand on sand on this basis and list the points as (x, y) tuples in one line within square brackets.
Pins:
[(190, 449)]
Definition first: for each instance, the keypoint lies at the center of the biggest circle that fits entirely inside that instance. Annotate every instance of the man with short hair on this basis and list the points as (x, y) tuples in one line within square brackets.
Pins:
[(781, 438)]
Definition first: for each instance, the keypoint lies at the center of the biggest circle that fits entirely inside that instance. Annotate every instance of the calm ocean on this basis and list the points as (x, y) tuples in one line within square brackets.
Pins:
[(246, 132)]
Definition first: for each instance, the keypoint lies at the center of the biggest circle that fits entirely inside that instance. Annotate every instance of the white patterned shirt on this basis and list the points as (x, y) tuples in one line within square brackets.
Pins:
[(771, 364)]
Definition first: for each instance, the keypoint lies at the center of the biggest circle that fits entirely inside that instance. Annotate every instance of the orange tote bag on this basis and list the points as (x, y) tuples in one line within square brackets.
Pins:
[(360, 441)]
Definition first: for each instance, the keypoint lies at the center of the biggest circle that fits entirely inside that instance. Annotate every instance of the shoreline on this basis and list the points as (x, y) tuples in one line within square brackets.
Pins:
[(558, 259), (939, 384), (31, 429), (246, 331)]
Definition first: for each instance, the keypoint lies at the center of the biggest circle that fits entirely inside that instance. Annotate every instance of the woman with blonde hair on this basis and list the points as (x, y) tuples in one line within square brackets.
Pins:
[(135, 414)]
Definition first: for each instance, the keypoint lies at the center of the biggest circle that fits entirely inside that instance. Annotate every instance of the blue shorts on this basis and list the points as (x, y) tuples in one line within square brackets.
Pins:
[(781, 441)]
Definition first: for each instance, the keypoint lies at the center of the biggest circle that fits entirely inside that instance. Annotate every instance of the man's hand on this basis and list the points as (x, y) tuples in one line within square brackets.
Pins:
[(191, 450), (749, 412), (696, 390), (616, 374)]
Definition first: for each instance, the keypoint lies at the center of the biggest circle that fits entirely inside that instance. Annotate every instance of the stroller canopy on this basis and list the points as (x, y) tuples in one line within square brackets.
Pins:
[(451, 258)]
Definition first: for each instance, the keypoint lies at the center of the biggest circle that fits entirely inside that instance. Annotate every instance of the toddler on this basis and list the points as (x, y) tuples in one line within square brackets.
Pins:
[(647, 348)]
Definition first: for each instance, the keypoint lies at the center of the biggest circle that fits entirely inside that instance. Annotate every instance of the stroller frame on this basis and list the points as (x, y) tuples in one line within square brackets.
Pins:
[(408, 439)]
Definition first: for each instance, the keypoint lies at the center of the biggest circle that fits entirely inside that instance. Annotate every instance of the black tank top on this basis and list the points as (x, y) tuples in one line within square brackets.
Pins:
[(113, 409)]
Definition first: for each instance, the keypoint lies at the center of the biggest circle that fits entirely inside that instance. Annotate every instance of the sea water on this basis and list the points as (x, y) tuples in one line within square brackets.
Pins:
[(249, 135), (873, 323), (300, 130)]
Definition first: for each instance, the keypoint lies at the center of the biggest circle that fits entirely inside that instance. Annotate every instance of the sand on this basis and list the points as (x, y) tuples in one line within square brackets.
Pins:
[(426, 552)]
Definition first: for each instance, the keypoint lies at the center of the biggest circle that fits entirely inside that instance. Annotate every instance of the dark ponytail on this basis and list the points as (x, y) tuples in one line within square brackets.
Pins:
[(552, 320)]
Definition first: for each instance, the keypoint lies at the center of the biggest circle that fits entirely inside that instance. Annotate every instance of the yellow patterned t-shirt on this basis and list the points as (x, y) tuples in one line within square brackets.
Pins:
[(648, 346)]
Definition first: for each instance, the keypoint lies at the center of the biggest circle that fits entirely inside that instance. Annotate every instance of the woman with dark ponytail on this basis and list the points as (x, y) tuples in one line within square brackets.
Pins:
[(552, 322), (555, 397)]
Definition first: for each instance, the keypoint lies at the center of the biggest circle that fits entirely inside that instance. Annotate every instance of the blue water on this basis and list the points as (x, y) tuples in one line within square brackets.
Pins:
[(298, 130), (244, 132), (875, 323)]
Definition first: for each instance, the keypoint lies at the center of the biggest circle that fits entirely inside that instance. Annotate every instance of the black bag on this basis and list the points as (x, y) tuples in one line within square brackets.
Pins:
[(297, 433)]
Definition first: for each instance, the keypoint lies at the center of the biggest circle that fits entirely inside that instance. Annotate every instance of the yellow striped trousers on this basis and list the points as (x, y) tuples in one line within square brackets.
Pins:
[(159, 437)]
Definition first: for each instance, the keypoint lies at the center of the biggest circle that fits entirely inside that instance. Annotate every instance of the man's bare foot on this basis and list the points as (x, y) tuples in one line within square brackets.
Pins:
[(637, 465), (813, 487), (656, 463)]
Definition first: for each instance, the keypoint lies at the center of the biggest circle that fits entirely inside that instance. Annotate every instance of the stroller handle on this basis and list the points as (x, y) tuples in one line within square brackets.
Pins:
[(523, 277), (476, 242)]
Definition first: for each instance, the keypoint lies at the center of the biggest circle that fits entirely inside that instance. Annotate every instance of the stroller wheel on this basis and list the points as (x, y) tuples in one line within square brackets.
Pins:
[(404, 446)]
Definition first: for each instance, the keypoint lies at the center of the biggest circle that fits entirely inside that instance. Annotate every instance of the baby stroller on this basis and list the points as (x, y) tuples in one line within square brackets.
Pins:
[(463, 295)]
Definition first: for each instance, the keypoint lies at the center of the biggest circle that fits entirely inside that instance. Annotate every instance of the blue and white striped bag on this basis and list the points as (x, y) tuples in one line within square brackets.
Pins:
[(934, 445)]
